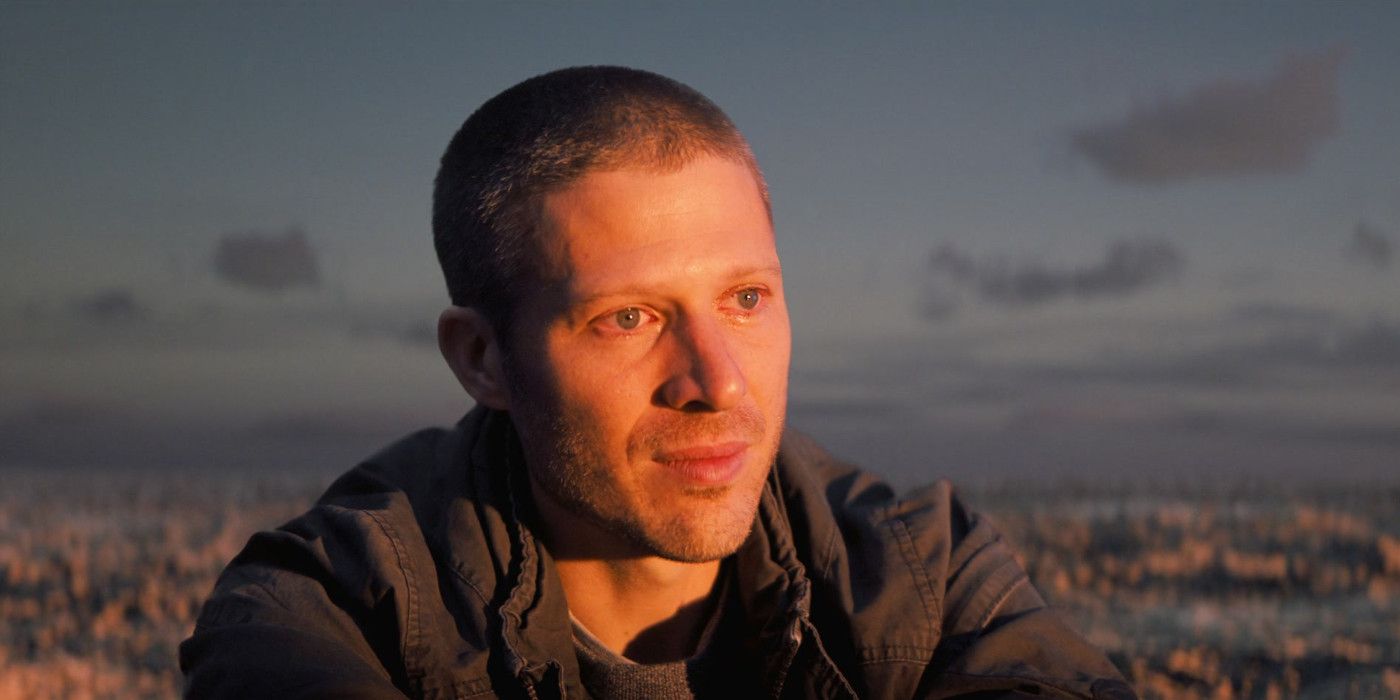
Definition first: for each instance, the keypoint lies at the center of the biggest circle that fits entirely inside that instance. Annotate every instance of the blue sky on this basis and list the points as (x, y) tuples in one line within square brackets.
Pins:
[(1020, 238)]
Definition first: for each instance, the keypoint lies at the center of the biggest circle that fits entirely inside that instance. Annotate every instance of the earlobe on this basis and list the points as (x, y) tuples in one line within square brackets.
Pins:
[(468, 342)]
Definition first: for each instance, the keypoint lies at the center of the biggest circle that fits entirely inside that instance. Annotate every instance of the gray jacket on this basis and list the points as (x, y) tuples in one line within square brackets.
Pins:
[(417, 574)]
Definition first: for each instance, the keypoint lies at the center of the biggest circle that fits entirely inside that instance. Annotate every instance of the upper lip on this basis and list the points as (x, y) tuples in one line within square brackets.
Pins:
[(717, 450)]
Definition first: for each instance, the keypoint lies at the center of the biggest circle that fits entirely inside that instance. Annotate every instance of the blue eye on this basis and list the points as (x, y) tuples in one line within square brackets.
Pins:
[(628, 319), (748, 298)]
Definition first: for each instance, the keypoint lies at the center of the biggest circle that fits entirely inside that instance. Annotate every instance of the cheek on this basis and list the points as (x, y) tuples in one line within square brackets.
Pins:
[(770, 354), (602, 392)]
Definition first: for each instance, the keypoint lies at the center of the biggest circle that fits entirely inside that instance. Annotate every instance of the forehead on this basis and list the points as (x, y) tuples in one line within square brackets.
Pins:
[(637, 226)]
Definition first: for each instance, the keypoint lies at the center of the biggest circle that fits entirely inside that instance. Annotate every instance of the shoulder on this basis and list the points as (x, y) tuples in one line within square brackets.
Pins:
[(395, 488), (927, 589), (356, 532), (842, 503), (886, 553), (352, 579), (367, 530)]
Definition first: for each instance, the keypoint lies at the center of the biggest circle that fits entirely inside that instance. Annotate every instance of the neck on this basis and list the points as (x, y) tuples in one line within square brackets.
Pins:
[(648, 610), (641, 606)]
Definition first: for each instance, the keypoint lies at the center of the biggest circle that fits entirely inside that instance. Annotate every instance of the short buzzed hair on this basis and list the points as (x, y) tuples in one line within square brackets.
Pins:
[(541, 135)]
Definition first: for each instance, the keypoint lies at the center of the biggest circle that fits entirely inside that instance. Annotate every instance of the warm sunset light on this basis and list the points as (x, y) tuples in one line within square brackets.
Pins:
[(1126, 274)]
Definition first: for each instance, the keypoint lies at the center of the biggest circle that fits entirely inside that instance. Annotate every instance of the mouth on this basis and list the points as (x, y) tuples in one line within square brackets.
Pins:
[(705, 465)]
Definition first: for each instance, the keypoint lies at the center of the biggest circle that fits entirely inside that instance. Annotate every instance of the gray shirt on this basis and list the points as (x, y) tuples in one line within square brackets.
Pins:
[(713, 671)]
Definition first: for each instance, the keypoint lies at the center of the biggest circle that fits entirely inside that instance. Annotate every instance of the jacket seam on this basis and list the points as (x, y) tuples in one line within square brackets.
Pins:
[(456, 571), (932, 606), (912, 653), (873, 652), (1002, 596), (921, 661), (829, 555), (981, 608), (411, 615), (959, 608), (971, 556)]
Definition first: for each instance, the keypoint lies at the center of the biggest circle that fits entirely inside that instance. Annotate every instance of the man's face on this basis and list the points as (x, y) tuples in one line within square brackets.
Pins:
[(650, 377)]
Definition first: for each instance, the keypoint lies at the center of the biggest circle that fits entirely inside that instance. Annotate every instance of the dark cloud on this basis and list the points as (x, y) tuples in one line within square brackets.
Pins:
[(1264, 426), (66, 432), (1059, 414), (1370, 246), (267, 262), (1126, 267), (110, 306), (1375, 344), (63, 430), (315, 427), (1370, 347), (1223, 128), (1278, 314), (1260, 430), (1267, 388), (1164, 444)]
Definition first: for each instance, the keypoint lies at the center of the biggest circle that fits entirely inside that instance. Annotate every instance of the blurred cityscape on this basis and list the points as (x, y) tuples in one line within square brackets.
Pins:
[(1242, 591)]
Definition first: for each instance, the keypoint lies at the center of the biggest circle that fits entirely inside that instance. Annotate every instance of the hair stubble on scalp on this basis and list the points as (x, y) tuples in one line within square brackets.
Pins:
[(541, 135)]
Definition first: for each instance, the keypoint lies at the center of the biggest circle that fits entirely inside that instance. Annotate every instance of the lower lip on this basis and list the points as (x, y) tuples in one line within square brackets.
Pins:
[(708, 471)]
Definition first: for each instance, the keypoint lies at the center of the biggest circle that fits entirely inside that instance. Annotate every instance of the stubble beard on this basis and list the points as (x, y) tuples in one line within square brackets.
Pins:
[(697, 525)]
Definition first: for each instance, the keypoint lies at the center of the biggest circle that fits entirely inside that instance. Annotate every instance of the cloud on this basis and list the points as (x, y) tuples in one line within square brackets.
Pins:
[(1101, 411), (1276, 314), (1370, 246), (110, 306), (1373, 345), (1139, 417), (267, 262), (1127, 267), (1262, 388), (1272, 427), (1311, 347), (1227, 127), (64, 431), (312, 426)]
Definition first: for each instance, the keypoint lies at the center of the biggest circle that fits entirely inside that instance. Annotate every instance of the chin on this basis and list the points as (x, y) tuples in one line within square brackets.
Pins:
[(703, 547), (712, 525)]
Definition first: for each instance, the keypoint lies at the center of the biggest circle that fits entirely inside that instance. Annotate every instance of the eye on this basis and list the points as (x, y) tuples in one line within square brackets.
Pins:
[(628, 318), (748, 298), (625, 322)]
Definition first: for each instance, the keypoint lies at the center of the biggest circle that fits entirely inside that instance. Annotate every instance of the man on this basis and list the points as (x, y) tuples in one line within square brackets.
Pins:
[(622, 514)]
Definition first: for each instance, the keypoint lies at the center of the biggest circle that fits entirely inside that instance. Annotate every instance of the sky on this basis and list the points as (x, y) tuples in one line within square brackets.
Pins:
[(1020, 240)]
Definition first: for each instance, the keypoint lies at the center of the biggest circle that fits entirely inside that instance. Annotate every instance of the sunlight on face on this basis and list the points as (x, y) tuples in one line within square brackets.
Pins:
[(653, 406)]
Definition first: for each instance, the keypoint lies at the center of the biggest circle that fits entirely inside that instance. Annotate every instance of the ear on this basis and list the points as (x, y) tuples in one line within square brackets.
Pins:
[(472, 350)]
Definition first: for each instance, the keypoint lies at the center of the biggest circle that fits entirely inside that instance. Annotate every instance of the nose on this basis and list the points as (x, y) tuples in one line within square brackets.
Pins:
[(705, 375)]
